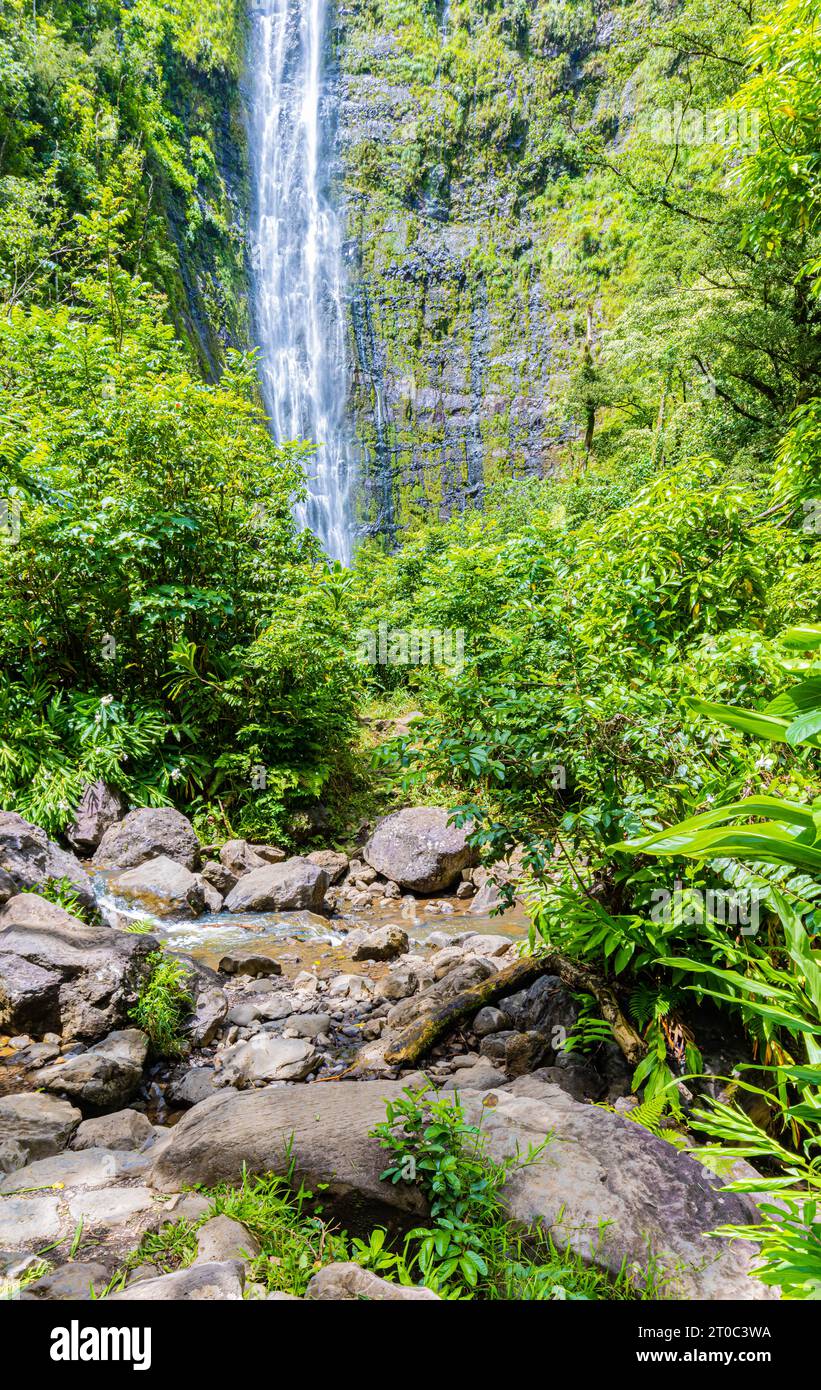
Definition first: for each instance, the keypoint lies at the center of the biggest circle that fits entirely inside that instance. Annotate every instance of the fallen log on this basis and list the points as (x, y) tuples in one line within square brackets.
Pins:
[(419, 1037)]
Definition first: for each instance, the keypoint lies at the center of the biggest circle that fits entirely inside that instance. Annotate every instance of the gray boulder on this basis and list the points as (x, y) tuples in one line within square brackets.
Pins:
[(263, 1129), (73, 1282), (386, 943), (38, 1125), (144, 834), (99, 808), (122, 1130), (106, 1075), (293, 885), (239, 858), (199, 1281), (58, 974), (417, 849), (223, 1239), (612, 1192), (350, 1282), (29, 859), (264, 1058), (220, 878), (164, 887), (334, 863), (249, 963)]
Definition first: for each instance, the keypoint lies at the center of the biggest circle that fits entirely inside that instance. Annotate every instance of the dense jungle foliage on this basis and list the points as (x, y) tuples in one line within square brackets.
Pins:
[(638, 707)]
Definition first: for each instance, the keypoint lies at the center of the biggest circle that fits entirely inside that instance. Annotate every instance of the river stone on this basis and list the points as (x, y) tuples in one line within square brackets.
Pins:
[(207, 1017), (271, 854), (220, 878), (87, 1168), (293, 885), (193, 1086), (106, 1075), (350, 1282), (307, 1025), (40, 1125), (612, 1192), (335, 864), (99, 807), (108, 1208), (199, 1281), (71, 1281), (417, 849), (223, 1239), (248, 963), (324, 1129), (29, 1221), (31, 859), (386, 943), (58, 974), (146, 833), (265, 1058), (164, 887), (239, 858), (124, 1129)]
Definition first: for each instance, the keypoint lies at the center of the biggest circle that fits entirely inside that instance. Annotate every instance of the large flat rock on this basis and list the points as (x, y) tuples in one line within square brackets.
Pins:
[(328, 1123), (614, 1193)]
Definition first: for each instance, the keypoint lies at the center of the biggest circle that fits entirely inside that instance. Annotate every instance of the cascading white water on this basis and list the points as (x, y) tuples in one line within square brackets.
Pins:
[(299, 297)]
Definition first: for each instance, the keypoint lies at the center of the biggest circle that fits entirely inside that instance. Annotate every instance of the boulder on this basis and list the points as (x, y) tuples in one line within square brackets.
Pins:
[(223, 1239), (164, 887), (122, 1130), (39, 1125), (264, 1058), (30, 860), (334, 863), (220, 878), (71, 1281), (271, 854), (58, 974), (248, 963), (307, 1025), (99, 808), (293, 885), (144, 834), (326, 1137), (211, 898), (612, 1192), (239, 858), (419, 850), (350, 1282), (200, 1281), (189, 1089), (386, 943), (89, 1168), (106, 1075), (207, 1017)]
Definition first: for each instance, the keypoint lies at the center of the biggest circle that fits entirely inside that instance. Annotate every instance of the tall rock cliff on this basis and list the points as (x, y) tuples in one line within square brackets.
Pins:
[(466, 257)]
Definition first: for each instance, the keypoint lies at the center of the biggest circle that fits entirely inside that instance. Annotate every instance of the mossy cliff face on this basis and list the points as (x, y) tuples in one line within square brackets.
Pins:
[(467, 256)]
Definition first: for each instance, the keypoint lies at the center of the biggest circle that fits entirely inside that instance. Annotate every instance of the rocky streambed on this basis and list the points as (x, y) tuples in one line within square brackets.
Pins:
[(319, 986)]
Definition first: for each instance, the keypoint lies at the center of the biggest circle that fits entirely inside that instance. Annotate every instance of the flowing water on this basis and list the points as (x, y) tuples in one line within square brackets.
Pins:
[(296, 237)]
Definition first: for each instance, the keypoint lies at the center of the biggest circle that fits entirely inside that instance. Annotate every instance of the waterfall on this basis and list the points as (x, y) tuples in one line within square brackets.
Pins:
[(296, 236)]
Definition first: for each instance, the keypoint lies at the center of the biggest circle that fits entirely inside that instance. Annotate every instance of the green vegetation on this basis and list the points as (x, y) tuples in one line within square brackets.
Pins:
[(471, 1250), (163, 1004)]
